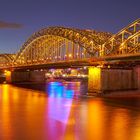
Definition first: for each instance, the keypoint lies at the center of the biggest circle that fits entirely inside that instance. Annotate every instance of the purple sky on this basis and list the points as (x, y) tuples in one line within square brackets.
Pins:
[(20, 18)]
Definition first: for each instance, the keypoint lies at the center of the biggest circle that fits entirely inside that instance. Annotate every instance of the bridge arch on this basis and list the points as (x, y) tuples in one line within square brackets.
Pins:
[(59, 43)]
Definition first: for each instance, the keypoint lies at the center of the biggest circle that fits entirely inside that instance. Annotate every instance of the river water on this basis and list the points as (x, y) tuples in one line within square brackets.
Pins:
[(58, 113)]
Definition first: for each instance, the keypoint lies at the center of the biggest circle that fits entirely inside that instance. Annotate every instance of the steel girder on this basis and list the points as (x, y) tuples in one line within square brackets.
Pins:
[(124, 42)]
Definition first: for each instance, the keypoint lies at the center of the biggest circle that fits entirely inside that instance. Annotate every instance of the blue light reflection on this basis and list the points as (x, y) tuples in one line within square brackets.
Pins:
[(60, 100), (57, 89)]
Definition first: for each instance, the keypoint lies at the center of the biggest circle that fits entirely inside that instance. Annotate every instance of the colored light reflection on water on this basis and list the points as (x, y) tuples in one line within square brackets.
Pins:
[(57, 92), (57, 89), (59, 105), (59, 114)]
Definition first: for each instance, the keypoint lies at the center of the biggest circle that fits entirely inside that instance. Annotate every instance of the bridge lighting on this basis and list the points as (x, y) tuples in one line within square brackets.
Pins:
[(122, 44), (64, 75), (94, 70), (83, 75), (85, 67), (100, 66), (7, 75), (78, 75), (5, 71)]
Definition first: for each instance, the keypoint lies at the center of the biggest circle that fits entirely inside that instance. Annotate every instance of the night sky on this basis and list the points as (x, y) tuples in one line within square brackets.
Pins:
[(20, 18)]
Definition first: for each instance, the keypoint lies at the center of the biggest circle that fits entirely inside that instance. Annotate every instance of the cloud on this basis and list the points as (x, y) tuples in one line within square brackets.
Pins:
[(4, 25)]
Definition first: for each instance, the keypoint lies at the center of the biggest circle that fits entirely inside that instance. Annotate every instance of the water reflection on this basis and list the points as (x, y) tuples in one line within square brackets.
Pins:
[(6, 123), (66, 90), (59, 107), (59, 113)]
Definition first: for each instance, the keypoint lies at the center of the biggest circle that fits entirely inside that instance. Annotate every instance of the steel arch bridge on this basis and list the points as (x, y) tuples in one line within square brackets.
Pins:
[(60, 44), (6, 60), (57, 44)]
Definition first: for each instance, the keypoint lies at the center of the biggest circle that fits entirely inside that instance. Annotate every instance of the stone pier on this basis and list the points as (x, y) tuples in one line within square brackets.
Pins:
[(101, 80), (137, 71), (27, 76)]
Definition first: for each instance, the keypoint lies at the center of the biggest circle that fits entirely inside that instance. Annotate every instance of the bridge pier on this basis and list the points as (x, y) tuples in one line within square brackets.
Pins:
[(137, 71), (27, 76), (7, 76), (101, 80), (37, 76), (20, 76)]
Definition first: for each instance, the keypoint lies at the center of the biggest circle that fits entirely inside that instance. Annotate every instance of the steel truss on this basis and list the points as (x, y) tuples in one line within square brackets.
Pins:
[(60, 44)]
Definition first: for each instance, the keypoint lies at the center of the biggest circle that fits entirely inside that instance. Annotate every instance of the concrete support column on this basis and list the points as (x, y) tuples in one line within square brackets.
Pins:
[(37, 76), (94, 80), (101, 80), (137, 73), (20, 76), (28, 76), (7, 76)]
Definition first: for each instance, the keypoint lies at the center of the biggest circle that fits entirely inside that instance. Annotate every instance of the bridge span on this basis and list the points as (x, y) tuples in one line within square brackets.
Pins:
[(109, 57)]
